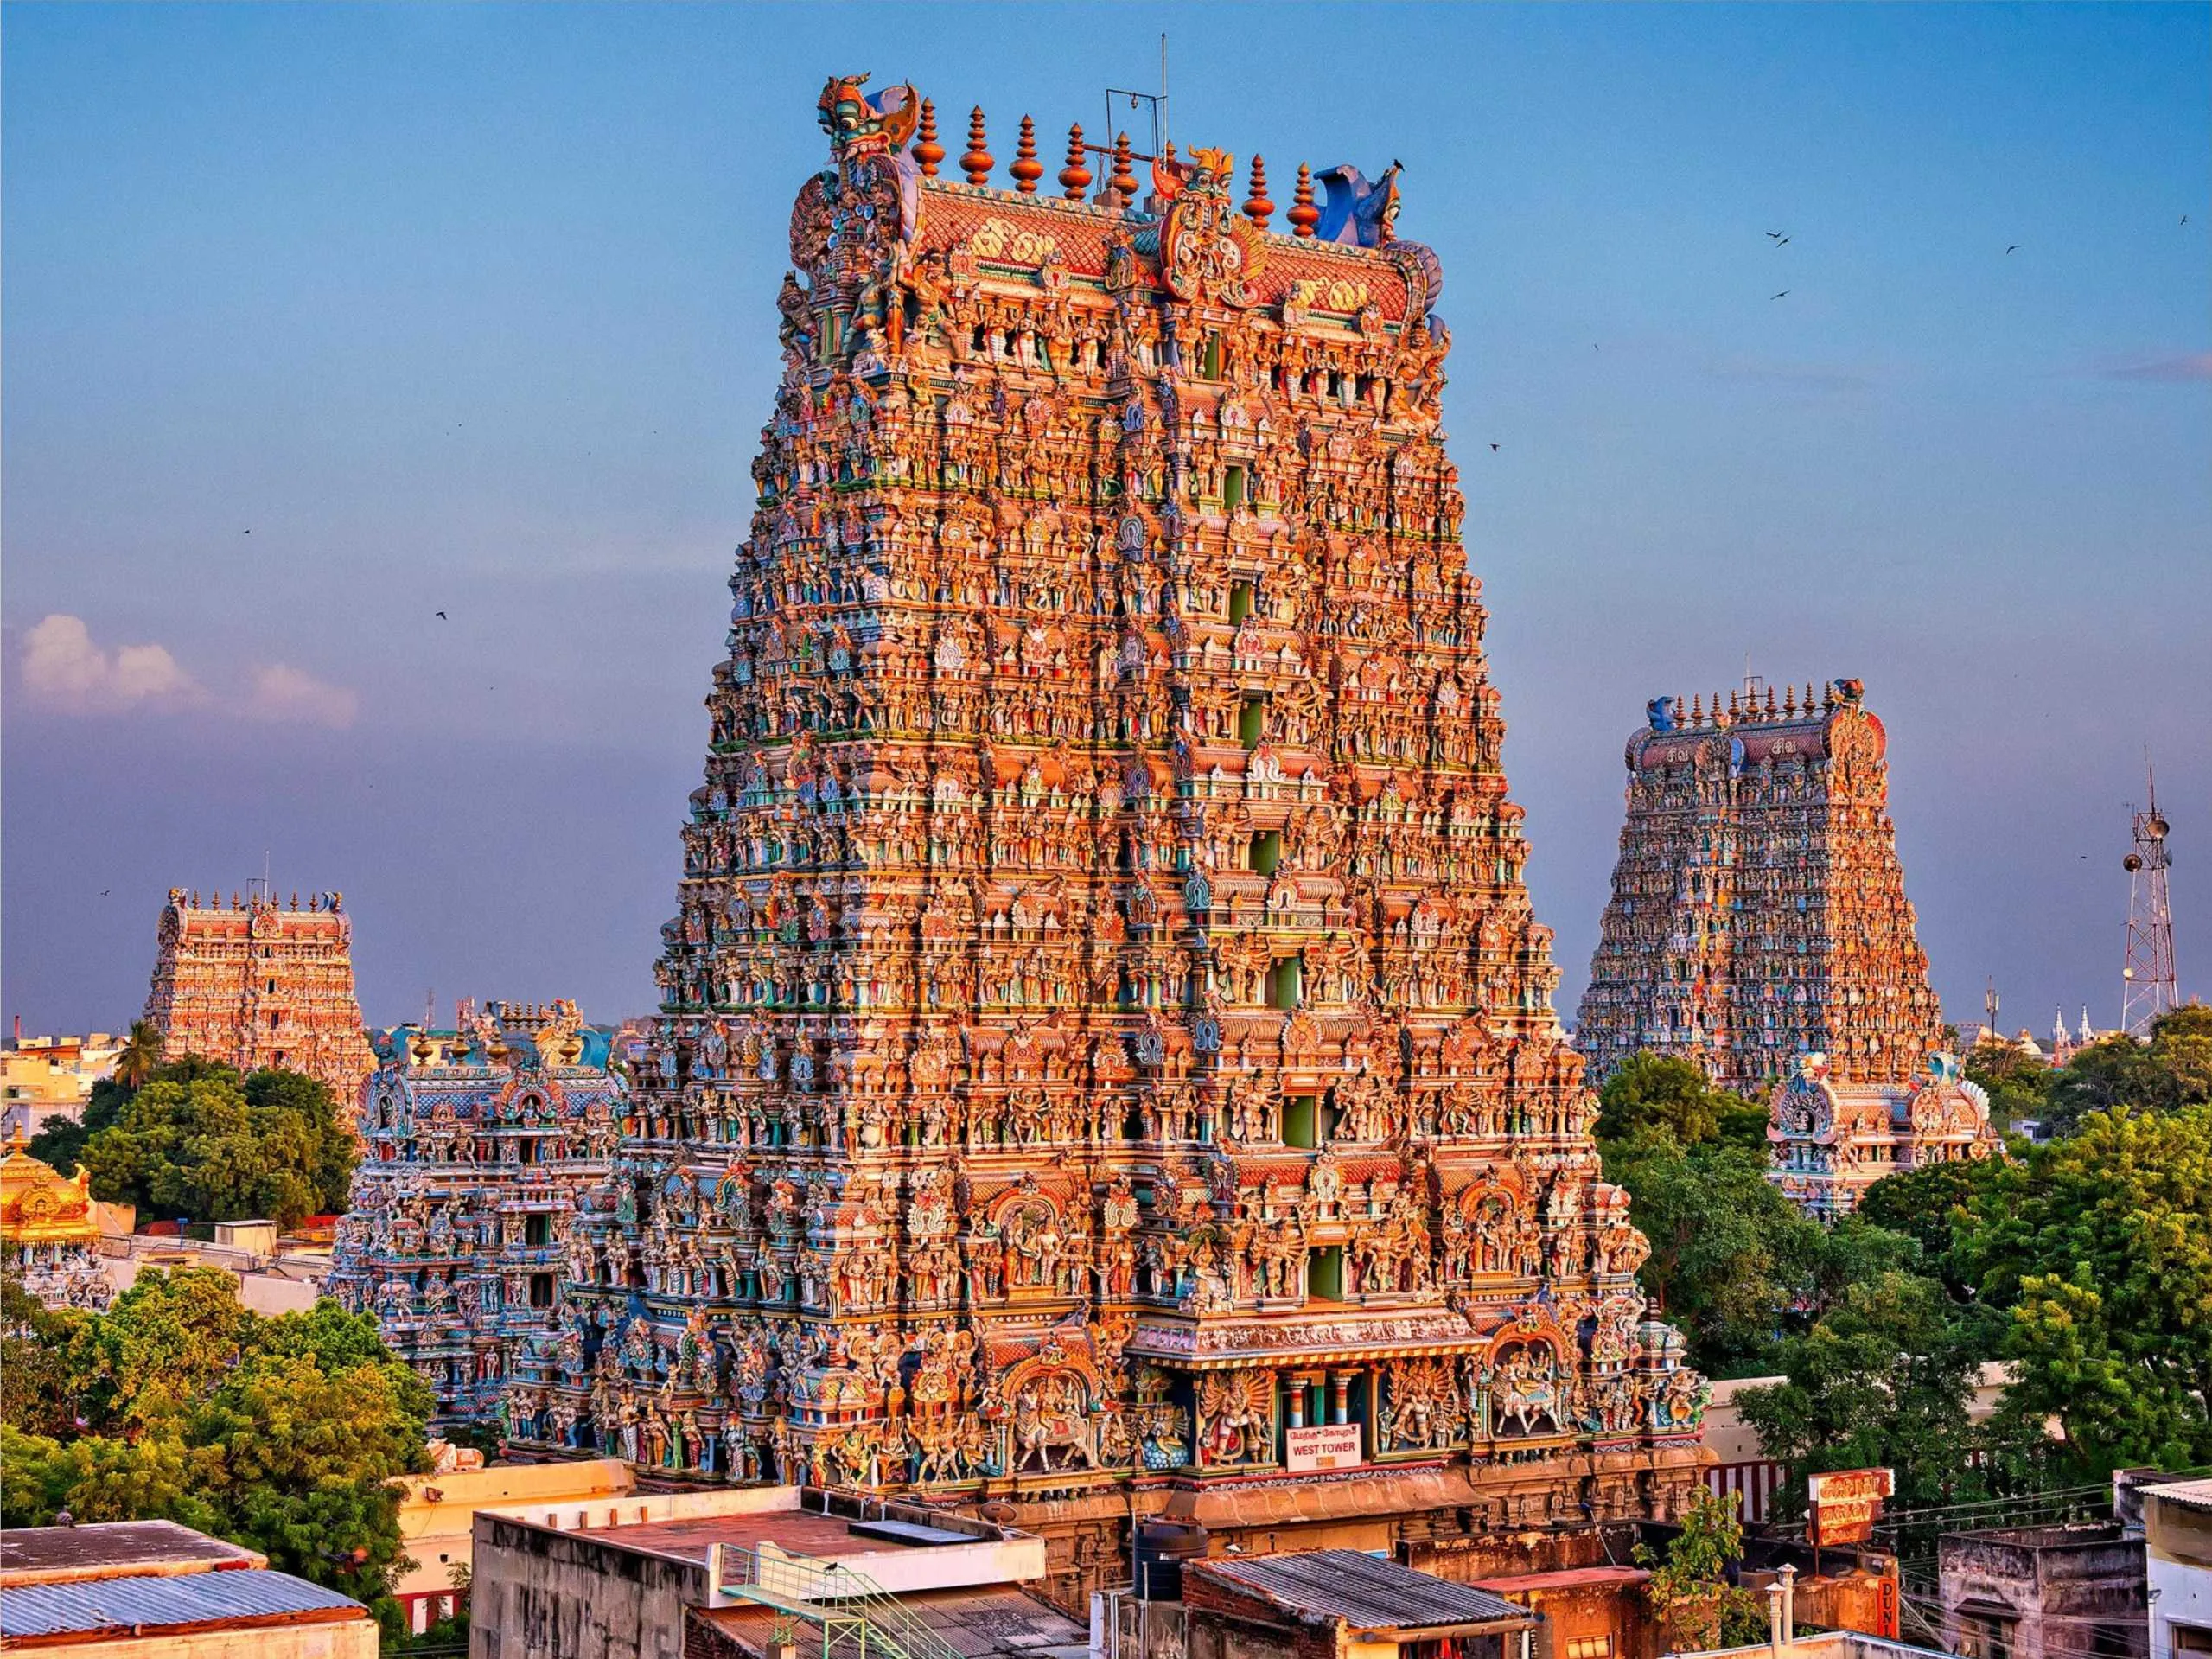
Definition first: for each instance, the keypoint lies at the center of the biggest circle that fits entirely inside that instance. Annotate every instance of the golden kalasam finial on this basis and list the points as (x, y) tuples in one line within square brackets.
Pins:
[(1124, 170), (1257, 207), (976, 163), (1075, 178), (1303, 215), (1026, 169), (928, 152)]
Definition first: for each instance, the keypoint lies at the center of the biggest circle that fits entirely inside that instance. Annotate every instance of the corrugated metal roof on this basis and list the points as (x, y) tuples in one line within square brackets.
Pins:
[(27, 1609), (2189, 1494), (1367, 1591)]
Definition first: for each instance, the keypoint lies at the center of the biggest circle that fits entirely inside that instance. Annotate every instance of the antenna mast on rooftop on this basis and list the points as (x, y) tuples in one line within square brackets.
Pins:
[(2148, 984)]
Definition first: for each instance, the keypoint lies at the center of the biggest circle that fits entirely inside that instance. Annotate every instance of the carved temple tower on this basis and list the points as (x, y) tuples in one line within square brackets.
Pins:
[(254, 984), (478, 1145), (1105, 1058), (1758, 910)]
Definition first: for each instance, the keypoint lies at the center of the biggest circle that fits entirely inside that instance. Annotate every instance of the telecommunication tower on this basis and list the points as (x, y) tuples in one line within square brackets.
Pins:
[(2148, 984)]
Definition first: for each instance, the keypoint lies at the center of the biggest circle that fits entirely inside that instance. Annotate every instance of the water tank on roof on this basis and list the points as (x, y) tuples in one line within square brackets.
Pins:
[(1162, 1548)]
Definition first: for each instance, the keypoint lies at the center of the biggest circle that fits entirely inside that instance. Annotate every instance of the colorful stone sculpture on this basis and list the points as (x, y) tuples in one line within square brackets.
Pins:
[(252, 983), (1104, 1034), (1758, 910), (479, 1142)]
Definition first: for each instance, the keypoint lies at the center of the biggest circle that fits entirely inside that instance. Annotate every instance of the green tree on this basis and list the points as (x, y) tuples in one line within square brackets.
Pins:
[(198, 1142), (140, 1057), (281, 1433), (1689, 1592), (2098, 1248), (1922, 1204), (2172, 1070), (1731, 1259), (166, 1341), (37, 1389), (1665, 1091), (1883, 1379), (2017, 1084)]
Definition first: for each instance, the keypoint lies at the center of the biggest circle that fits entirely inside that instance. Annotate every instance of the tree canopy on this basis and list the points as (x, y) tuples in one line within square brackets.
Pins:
[(1665, 1091), (198, 1142), (1733, 1262), (2173, 1070), (2099, 1249), (279, 1433)]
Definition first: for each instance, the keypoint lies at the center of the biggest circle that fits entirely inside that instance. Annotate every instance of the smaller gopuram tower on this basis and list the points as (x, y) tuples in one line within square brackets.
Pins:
[(254, 984), (1758, 909), (478, 1140)]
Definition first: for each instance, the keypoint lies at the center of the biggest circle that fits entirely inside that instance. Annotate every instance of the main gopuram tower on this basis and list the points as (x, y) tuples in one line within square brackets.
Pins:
[(1105, 1060), (1758, 915)]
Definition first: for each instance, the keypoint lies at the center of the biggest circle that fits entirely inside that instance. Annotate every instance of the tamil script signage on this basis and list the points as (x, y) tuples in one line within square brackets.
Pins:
[(1844, 1504), (1325, 1445)]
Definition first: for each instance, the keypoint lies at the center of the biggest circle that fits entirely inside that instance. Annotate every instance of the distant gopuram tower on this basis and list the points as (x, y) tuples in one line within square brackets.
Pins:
[(1104, 1054), (253, 983), (1758, 910)]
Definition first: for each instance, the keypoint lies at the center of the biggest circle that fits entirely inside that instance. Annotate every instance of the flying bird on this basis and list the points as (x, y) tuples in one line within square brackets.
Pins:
[(2015, 248), (1782, 242), (104, 891), (1783, 295), (1494, 449), (1777, 236), (441, 616)]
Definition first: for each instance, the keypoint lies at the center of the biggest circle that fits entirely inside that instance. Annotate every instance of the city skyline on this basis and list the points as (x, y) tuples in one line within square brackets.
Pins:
[(518, 378)]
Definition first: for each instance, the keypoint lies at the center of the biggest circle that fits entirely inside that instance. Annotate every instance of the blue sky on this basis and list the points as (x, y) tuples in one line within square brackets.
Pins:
[(322, 319)]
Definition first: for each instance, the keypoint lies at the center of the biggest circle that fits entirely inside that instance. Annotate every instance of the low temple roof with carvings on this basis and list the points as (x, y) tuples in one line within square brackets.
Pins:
[(1342, 258), (1941, 1105), (1778, 729), (39, 1205), (1013, 234)]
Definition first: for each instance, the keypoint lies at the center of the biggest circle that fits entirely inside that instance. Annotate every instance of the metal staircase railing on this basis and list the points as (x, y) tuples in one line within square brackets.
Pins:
[(856, 1615)]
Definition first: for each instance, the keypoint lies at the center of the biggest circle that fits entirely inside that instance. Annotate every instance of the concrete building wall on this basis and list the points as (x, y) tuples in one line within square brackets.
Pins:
[(2178, 1576), (2068, 1592), (539, 1594)]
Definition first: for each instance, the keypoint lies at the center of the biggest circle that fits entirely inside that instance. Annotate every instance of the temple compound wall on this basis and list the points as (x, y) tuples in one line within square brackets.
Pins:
[(49, 1235), (255, 984), (1829, 1141), (1758, 910), (477, 1143), (1106, 1059)]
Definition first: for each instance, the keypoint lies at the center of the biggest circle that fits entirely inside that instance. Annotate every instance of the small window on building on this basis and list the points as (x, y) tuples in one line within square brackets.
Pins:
[(1325, 1273), (1252, 718), (536, 1231), (1265, 852), (1588, 1647), (541, 1289), (1302, 1121), (1232, 488), (1210, 358), (1285, 982), (1239, 601)]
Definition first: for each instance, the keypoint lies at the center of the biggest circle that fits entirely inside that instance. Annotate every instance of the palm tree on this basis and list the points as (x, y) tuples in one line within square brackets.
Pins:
[(141, 1053)]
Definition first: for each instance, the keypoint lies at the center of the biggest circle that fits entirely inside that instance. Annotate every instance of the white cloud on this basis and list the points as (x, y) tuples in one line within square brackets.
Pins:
[(282, 692), (64, 669)]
